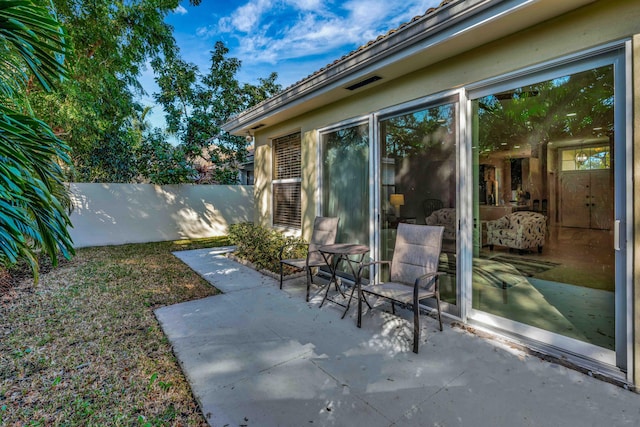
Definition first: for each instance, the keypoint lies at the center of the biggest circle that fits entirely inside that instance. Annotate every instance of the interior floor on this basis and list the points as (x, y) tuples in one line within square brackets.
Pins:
[(567, 289), (574, 297)]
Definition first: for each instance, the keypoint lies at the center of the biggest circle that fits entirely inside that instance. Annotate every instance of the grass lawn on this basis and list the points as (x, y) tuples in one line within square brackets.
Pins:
[(83, 347)]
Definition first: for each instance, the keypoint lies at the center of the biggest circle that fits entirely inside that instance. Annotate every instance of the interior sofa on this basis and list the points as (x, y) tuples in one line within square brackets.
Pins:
[(518, 230)]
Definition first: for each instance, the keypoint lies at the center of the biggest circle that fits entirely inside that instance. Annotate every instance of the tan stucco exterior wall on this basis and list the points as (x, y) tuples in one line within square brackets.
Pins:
[(263, 162), (589, 27)]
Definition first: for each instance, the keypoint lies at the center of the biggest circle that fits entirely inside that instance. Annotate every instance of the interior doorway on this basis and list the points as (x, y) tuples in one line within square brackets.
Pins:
[(586, 199)]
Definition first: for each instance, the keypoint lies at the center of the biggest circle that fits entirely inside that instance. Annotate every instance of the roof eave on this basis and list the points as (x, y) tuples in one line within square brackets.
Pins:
[(452, 21)]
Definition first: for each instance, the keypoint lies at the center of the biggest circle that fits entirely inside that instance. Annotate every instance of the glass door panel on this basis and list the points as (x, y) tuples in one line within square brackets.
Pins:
[(418, 182), (345, 183), (543, 206)]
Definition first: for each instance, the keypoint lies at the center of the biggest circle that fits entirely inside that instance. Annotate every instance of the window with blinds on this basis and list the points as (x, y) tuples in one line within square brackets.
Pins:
[(287, 180)]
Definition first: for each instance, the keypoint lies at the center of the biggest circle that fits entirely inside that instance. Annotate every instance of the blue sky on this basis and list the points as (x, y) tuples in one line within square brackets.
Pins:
[(291, 37)]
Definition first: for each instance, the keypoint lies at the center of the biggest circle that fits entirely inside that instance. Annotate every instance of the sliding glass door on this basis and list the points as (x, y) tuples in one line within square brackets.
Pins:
[(547, 168), (418, 182), (345, 182), (533, 201)]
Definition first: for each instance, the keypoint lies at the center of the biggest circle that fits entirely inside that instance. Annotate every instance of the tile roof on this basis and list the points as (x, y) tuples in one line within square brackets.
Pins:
[(295, 90), (379, 39)]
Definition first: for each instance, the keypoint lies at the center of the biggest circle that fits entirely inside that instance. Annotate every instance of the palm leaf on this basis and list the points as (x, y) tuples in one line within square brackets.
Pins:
[(33, 196), (35, 37)]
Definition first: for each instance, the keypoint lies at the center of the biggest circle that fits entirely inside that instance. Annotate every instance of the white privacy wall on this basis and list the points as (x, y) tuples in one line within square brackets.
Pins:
[(113, 214)]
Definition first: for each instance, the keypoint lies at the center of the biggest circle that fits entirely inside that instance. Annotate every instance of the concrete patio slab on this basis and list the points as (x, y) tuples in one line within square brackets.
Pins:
[(260, 356)]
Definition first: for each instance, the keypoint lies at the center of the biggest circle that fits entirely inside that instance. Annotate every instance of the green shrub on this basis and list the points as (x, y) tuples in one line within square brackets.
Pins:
[(261, 246)]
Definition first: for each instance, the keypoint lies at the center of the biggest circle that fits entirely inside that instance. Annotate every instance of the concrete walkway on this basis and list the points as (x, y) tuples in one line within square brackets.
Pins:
[(259, 356)]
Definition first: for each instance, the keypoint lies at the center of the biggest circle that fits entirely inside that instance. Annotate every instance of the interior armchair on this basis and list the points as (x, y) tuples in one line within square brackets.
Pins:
[(519, 230), (445, 217)]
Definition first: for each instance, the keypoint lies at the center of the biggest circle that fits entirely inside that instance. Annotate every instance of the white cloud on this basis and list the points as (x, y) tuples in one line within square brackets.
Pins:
[(367, 12), (206, 32), (270, 31), (180, 10), (307, 34), (315, 5), (317, 30), (246, 18)]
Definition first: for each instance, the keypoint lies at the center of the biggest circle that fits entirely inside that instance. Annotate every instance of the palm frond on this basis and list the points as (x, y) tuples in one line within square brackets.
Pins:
[(33, 37), (33, 196)]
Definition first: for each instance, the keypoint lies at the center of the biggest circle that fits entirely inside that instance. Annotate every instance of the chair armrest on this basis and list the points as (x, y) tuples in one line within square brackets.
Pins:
[(493, 224), (497, 224), (290, 245), (427, 278), (369, 264)]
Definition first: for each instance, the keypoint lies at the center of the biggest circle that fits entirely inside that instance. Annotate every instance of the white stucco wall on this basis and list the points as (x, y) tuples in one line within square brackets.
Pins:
[(113, 214)]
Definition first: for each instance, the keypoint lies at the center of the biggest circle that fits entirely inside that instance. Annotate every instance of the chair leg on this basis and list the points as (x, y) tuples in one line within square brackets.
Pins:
[(416, 327), (393, 308), (439, 312), (280, 275), (309, 281), (360, 296)]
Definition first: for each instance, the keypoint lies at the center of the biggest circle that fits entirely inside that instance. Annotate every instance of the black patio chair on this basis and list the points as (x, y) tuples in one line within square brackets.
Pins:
[(325, 230), (413, 273)]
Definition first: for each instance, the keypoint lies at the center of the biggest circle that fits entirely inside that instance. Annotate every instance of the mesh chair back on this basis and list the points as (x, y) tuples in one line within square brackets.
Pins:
[(325, 230), (417, 252)]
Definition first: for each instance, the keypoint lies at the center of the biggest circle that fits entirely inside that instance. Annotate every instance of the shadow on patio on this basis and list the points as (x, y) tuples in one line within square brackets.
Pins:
[(260, 356)]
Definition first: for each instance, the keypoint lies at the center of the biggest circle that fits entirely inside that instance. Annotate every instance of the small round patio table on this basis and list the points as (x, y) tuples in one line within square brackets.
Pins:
[(335, 253)]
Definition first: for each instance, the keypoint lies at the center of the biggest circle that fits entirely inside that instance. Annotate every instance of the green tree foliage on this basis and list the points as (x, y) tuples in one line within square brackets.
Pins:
[(93, 110), (567, 107), (159, 162), (33, 197), (197, 105)]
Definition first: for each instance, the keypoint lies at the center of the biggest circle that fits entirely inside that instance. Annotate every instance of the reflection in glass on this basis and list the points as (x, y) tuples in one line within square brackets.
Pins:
[(543, 206), (418, 181), (345, 183)]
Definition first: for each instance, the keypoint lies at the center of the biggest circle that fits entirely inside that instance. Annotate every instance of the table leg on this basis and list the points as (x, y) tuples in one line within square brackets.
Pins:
[(333, 266), (350, 297), (357, 277)]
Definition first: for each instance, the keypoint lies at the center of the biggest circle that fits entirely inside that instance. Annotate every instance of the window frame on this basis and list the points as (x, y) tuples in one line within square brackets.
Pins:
[(291, 177)]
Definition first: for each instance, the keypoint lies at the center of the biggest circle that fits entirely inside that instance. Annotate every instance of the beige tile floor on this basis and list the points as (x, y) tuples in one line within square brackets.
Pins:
[(574, 299)]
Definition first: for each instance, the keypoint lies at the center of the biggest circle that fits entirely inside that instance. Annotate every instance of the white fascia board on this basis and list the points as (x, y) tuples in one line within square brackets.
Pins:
[(455, 21)]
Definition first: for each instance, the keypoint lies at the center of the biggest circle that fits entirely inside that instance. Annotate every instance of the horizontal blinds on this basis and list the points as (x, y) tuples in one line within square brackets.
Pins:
[(286, 204), (286, 195), (287, 159)]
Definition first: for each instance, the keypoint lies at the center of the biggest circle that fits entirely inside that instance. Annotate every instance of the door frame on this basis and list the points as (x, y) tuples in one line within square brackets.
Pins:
[(619, 362), (456, 97)]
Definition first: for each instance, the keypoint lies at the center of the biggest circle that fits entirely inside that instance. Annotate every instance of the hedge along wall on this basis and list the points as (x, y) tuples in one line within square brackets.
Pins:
[(113, 214)]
